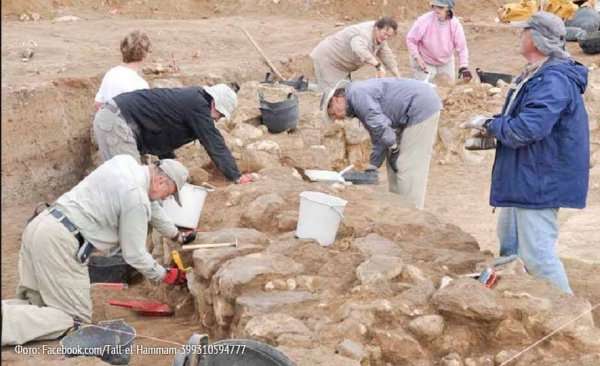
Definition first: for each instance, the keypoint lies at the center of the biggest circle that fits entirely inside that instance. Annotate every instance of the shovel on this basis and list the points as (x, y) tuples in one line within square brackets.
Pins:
[(146, 308)]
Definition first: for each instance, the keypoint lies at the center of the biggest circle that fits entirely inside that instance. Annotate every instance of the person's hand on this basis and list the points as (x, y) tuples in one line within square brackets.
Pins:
[(247, 178), (421, 64), (478, 123), (464, 73), (392, 157), (187, 237), (379, 70), (174, 276), (371, 169)]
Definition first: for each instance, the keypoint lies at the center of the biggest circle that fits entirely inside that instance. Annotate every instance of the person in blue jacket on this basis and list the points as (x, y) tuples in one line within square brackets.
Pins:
[(543, 155)]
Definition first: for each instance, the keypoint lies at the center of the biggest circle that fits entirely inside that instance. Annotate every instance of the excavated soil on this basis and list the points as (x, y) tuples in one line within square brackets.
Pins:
[(47, 106)]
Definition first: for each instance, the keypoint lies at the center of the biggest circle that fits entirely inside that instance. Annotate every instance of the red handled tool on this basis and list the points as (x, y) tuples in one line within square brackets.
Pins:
[(147, 308)]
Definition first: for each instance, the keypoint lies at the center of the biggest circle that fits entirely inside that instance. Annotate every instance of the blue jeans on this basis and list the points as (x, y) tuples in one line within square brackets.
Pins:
[(532, 234)]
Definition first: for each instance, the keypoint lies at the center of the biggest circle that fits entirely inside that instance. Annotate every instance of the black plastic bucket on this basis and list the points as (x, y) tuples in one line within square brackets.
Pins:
[(111, 341), (590, 43), (493, 77), (279, 116), (112, 269), (298, 83)]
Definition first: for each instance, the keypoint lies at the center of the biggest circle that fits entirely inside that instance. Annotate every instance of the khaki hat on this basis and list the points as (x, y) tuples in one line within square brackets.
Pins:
[(326, 98), (177, 172), (224, 97)]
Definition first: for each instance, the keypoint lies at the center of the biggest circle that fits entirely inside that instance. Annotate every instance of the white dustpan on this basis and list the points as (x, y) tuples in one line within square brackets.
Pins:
[(327, 175)]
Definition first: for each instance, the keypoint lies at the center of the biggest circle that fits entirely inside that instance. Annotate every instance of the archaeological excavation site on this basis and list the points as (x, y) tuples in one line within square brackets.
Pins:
[(316, 269)]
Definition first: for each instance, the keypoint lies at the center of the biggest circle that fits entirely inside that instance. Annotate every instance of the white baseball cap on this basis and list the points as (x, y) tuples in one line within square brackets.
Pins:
[(224, 97), (177, 172)]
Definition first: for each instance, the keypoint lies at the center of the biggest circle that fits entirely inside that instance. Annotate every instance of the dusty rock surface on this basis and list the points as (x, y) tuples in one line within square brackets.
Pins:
[(374, 296)]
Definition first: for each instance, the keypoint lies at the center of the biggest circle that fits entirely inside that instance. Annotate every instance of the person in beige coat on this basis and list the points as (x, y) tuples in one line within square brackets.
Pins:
[(346, 51)]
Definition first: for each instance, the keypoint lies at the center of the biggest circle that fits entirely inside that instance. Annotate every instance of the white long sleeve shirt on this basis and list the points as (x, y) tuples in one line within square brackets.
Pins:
[(111, 209)]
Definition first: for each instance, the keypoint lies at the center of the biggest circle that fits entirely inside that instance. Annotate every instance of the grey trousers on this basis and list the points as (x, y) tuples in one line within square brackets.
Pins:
[(54, 288), (415, 143), (114, 135)]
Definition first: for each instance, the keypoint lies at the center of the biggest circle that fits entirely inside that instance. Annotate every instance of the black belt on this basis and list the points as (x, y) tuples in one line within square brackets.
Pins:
[(68, 224)]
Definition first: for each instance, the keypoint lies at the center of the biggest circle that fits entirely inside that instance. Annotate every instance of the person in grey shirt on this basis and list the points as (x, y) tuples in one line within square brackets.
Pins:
[(401, 116), (109, 210)]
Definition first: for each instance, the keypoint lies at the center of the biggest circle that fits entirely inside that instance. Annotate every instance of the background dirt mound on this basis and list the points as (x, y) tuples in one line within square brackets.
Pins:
[(191, 9)]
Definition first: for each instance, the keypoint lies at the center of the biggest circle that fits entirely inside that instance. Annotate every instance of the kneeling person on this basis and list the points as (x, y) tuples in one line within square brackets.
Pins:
[(54, 284)]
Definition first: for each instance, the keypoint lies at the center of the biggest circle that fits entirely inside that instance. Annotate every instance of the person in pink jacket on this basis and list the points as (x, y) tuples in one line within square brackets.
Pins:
[(433, 40)]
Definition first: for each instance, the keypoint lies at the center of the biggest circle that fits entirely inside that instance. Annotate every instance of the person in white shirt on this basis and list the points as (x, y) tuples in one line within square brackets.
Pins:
[(54, 285), (125, 78)]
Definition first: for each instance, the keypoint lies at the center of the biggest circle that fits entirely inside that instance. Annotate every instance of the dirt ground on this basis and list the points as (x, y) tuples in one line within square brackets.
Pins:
[(215, 47)]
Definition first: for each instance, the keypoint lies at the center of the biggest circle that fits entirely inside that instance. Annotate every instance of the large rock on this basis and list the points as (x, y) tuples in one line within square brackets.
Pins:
[(469, 298), (320, 356), (379, 268), (255, 160), (243, 235), (349, 348), (266, 302), (511, 332), (355, 133), (400, 348), (374, 244), (315, 157), (260, 214), (266, 328), (238, 274), (427, 326), (208, 261), (246, 132)]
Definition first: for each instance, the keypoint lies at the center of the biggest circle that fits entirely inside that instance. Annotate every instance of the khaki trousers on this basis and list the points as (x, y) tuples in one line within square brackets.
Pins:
[(54, 288), (415, 144), (327, 75), (114, 135)]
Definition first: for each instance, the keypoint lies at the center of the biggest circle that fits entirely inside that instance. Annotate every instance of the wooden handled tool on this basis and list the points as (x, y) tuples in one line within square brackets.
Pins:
[(210, 246)]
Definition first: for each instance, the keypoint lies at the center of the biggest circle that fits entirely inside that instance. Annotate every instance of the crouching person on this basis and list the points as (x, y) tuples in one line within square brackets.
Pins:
[(109, 210)]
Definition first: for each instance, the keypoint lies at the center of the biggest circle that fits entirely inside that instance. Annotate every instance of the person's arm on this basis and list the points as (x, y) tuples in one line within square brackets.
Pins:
[(460, 45), (388, 59), (378, 124), (542, 109), (209, 136), (161, 222), (359, 46), (413, 38), (133, 229)]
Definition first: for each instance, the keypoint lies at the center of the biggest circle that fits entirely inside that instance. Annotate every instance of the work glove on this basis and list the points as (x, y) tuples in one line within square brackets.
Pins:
[(371, 169), (479, 140), (392, 157), (479, 123), (247, 178), (464, 73), (184, 237), (175, 276), (379, 70)]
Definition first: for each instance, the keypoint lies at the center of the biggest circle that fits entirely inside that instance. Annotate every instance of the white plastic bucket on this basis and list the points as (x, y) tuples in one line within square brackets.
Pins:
[(319, 217), (192, 198)]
